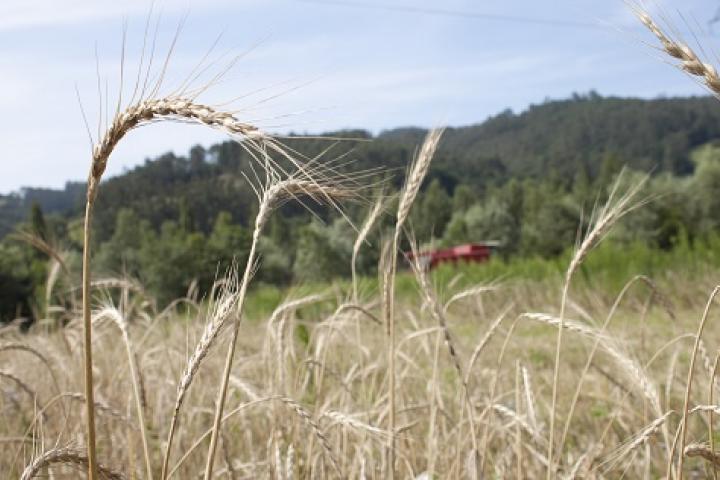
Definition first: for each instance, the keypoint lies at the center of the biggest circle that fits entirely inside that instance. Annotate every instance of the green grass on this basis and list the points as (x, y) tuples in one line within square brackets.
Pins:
[(608, 267)]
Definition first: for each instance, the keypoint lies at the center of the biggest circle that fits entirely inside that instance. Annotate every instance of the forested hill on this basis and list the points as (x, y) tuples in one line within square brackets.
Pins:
[(555, 138)]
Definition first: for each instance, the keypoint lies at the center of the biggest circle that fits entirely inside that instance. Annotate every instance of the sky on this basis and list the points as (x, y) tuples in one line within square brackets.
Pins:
[(310, 66)]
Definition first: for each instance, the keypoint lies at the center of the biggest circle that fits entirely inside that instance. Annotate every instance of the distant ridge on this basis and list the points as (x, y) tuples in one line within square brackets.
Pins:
[(561, 137)]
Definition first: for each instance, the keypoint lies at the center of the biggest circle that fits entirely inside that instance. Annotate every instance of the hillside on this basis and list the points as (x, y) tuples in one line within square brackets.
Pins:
[(553, 138)]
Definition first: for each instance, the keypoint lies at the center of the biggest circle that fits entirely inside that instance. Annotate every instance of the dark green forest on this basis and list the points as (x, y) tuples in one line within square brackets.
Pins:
[(528, 180)]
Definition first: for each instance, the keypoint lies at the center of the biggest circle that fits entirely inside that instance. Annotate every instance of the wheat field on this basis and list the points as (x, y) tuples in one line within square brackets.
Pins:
[(510, 379)]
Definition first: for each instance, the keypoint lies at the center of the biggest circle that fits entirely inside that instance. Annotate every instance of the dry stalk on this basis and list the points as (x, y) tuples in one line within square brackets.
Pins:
[(121, 322), (688, 388), (66, 456), (362, 235)]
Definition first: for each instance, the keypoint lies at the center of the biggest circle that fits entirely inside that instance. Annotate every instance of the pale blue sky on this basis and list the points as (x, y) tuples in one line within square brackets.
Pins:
[(326, 66)]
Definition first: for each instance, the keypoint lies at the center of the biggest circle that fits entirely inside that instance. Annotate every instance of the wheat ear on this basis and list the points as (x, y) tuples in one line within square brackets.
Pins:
[(699, 450), (689, 60), (23, 386), (639, 439), (68, 456)]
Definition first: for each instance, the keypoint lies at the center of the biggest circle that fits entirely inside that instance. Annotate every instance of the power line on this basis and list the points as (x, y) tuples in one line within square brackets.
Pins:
[(456, 13)]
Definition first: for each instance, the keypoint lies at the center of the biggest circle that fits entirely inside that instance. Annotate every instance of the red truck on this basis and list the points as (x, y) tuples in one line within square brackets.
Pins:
[(469, 252)]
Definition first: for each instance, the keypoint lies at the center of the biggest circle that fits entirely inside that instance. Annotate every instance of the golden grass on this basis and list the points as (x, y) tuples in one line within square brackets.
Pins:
[(323, 404)]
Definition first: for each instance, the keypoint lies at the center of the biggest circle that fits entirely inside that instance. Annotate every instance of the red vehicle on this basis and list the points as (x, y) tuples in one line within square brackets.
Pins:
[(469, 252)]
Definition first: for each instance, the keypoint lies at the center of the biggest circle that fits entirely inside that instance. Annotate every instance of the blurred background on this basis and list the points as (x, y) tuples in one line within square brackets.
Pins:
[(546, 110)]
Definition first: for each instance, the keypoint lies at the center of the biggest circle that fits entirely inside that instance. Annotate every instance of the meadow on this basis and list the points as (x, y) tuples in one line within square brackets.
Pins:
[(600, 363)]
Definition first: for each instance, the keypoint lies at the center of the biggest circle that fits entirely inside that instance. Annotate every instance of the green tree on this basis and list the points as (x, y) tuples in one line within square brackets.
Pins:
[(492, 220), (172, 259), (227, 242), (552, 227), (433, 212), (37, 221), (121, 254), (463, 198), (316, 258), (16, 283), (705, 188)]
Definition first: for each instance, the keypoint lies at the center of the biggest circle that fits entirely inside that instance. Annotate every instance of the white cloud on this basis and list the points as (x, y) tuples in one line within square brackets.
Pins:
[(17, 14)]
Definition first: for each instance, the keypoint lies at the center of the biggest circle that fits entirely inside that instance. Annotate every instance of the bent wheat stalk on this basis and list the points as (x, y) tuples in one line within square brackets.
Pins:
[(274, 192), (140, 113), (617, 206)]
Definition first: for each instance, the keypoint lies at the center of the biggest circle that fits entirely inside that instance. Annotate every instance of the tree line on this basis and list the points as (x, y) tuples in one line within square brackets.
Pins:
[(528, 181)]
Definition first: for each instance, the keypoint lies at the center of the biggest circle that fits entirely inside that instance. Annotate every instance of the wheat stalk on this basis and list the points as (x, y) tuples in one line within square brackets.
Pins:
[(688, 388), (321, 187), (136, 374), (219, 311), (617, 206), (418, 170), (438, 314), (360, 239)]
